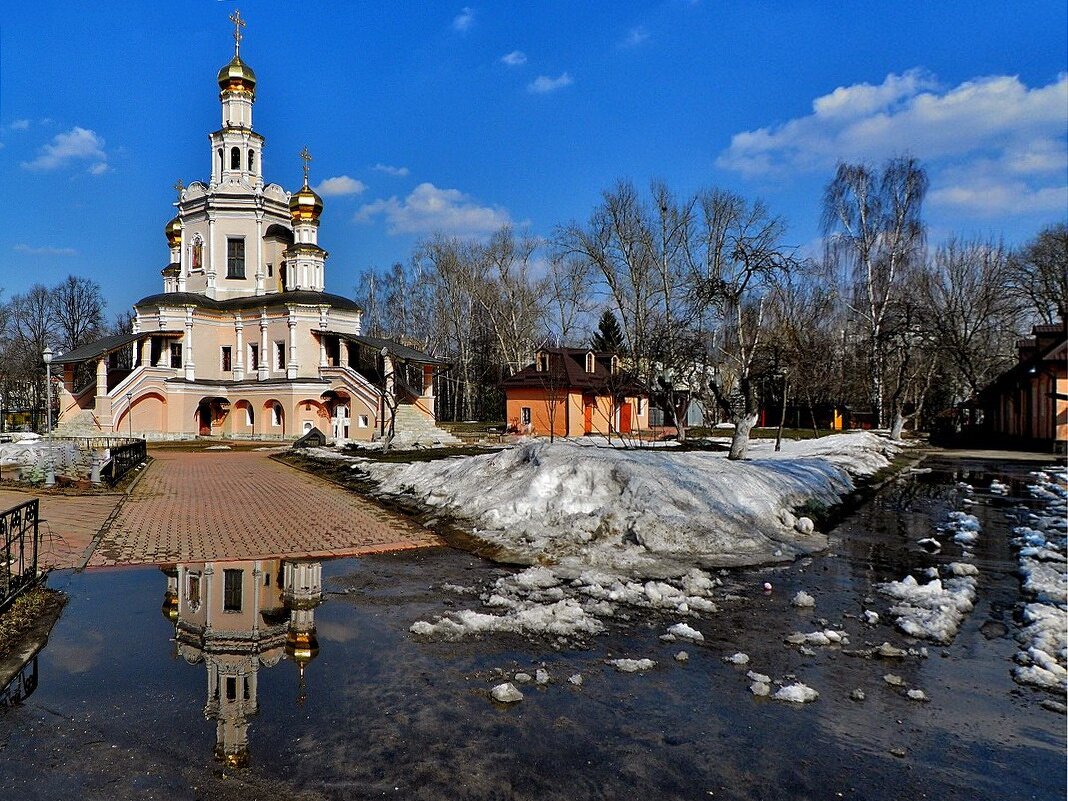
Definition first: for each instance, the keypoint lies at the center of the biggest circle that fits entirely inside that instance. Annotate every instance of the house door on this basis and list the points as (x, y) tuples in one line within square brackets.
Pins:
[(204, 418), (587, 418), (624, 418), (341, 423)]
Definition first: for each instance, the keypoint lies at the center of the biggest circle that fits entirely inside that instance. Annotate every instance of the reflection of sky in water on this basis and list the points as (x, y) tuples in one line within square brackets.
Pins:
[(380, 710)]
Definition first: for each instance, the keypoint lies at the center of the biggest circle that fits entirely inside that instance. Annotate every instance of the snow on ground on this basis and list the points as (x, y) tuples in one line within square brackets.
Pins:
[(934, 610), (642, 511), (1043, 661)]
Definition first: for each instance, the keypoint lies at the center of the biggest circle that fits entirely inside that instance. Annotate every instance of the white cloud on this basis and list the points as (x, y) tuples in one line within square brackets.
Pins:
[(514, 59), (635, 37), (19, 125), (992, 145), (464, 20), (45, 250), (543, 84), (904, 113), (429, 209), (390, 170), (77, 144), (340, 185)]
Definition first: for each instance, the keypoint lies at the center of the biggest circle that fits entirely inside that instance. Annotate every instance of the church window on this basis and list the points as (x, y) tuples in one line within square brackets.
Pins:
[(176, 354), (235, 158), (253, 356), (252, 161), (589, 362), (232, 590), (222, 164), (276, 414), (194, 592), (235, 258), (279, 355), (227, 365), (361, 421), (270, 270), (250, 418), (231, 688)]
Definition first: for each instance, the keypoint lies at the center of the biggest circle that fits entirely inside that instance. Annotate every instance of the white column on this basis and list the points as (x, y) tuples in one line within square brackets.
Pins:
[(239, 364), (265, 355), (259, 253), (211, 257), (183, 262), (187, 346), (291, 366)]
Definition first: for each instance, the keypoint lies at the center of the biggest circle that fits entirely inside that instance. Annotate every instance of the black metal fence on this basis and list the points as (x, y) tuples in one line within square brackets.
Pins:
[(125, 458), (19, 537), (21, 685)]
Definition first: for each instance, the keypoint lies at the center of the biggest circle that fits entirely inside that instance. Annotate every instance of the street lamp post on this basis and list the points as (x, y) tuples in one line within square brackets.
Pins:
[(50, 476), (129, 411)]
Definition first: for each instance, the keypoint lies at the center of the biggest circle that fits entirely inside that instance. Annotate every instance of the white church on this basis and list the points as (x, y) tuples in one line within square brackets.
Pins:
[(244, 341)]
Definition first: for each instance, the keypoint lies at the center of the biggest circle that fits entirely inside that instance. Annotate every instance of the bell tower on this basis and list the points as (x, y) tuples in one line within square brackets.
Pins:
[(237, 151)]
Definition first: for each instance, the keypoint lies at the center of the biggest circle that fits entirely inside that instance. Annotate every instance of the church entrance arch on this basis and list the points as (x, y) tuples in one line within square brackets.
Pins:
[(204, 418), (341, 423)]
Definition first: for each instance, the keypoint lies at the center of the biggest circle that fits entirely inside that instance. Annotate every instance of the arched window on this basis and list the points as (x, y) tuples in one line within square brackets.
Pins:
[(198, 253), (252, 160), (222, 164), (589, 363), (235, 158)]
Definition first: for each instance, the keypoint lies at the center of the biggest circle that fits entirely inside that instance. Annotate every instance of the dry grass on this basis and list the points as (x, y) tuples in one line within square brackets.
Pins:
[(28, 608)]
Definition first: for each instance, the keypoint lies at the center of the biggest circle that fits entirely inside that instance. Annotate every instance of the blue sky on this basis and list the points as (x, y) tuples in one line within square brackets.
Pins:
[(459, 117)]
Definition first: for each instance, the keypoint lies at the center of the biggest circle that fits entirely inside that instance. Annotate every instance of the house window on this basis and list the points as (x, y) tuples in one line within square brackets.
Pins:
[(276, 414), (235, 258), (361, 421), (279, 355), (270, 270), (176, 354), (641, 406), (227, 360), (525, 415), (235, 158), (615, 365), (251, 161), (542, 362), (253, 356), (589, 362), (232, 590)]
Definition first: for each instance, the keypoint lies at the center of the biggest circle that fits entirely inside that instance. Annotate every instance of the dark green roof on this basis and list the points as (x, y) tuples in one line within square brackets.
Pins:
[(302, 296)]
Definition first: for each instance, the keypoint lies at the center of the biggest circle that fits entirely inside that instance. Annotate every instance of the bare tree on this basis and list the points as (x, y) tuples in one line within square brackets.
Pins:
[(78, 308), (1039, 273), (873, 227), (570, 298)]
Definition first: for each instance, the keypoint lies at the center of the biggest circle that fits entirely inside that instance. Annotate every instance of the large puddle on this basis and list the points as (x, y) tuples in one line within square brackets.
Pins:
[(300, 679)]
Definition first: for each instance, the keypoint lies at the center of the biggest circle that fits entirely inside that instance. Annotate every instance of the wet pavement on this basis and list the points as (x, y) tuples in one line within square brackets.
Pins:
[(148, 692)]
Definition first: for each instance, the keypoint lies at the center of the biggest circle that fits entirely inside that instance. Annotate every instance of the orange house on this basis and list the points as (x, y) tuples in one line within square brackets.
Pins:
[(572, 392)]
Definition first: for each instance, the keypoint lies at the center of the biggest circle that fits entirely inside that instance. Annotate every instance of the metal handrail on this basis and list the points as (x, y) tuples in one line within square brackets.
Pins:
[(18, 570)]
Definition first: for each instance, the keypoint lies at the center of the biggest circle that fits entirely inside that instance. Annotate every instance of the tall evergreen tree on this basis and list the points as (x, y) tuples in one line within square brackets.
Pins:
[(609, 336)]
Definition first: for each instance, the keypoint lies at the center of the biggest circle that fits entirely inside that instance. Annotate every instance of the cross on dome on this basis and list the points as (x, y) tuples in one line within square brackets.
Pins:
[(238, 25), (306, 157)]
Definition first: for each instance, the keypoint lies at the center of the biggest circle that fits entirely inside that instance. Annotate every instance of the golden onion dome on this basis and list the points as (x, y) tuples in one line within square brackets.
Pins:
[(237, 76), (302, 646), (305, 205), (173, 230), (170, 606)]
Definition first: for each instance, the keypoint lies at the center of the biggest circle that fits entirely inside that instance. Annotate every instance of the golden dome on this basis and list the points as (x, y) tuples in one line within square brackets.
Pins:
[(302, 646), (237, 76), (305, 205), (170, 606), (174, 232)]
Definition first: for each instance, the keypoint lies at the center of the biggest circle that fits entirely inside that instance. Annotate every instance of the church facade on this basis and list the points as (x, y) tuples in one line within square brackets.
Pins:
[(244, 341)]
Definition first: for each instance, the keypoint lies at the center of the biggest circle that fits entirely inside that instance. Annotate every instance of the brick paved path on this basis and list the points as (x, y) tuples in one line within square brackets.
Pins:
[(69, 522), (198, 506)]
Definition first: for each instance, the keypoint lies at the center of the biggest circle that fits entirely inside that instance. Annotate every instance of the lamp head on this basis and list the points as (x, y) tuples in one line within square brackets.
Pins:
[(47, 355)]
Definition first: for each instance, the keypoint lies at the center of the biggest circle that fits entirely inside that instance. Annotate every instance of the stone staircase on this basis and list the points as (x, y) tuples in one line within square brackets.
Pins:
[(83, 424), (414, 429)]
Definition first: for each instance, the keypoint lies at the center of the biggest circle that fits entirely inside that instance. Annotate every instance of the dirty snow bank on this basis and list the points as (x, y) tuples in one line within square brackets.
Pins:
[(1044, 638), (652, 512), (934, 610)]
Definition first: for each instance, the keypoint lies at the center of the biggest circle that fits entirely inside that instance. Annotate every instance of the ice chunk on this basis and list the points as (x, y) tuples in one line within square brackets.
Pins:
[(760, 688), (737, 659), (682, 656), (506, 693), (686, 632), (803, 600), (804, 525), (797, 693), (541, 676), (917, 695), (870, 617), (523, 678), (759, 678), (632, 665), (575, 678)]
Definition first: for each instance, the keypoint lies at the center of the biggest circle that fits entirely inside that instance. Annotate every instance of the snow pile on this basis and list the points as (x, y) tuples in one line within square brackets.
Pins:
[(964, 527), (644, 511), (632, 665), (934, 610), (803, 600), (545, 601), (997, 488), (1042, 549)]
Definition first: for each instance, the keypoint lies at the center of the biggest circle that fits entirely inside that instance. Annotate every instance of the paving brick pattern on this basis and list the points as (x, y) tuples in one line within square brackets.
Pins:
[(198, 506), (68, 522)]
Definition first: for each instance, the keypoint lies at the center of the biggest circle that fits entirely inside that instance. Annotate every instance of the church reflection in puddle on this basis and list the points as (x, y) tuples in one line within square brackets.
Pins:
[(237, 617)]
